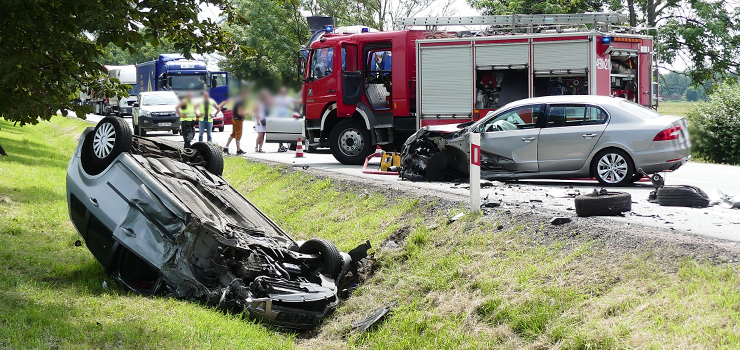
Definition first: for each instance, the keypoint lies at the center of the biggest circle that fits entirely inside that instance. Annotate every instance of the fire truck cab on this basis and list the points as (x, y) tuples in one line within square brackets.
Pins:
[(365, 88)]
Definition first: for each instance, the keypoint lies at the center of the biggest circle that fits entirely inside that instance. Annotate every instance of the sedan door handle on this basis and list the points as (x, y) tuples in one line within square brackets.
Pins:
[(528, 139), (331, 91), (129, 232), (94, 202), (589, 136)]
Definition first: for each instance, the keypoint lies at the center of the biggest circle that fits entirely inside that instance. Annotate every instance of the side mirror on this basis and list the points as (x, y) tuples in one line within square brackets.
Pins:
[(136, 104)]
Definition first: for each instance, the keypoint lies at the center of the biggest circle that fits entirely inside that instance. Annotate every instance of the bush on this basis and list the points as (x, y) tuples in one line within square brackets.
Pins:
[(715, 126)]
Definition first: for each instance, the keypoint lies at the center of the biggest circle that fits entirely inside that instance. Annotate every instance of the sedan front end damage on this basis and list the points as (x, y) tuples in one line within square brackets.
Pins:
[(436, 154), (161, 221)]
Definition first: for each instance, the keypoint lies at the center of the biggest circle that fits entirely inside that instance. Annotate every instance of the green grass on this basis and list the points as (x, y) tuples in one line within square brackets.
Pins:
[(469, 285), (681, 108)]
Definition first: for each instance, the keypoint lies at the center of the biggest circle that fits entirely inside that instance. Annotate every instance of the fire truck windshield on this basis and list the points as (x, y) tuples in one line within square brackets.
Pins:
[(188, 82)]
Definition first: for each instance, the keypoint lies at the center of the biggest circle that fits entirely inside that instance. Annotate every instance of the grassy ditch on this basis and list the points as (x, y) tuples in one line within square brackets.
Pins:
[(499, 281)]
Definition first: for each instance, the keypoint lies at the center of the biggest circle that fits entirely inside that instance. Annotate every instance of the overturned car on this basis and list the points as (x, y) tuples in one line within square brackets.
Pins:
[(611, 139), (160, 219)]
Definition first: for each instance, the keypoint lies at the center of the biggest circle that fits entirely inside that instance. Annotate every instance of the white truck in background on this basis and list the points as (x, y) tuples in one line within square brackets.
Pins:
[(116, 105), (122, 105)]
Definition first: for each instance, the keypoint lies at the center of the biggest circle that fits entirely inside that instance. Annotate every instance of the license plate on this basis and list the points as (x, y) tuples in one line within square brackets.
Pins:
[(165, 124)]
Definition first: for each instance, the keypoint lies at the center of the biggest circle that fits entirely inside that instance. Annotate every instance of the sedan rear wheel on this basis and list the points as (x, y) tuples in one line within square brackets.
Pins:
[(613, 167)]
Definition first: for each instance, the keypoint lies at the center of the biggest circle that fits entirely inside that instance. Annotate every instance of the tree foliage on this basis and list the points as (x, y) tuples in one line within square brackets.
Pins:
[(268, 47), (716, 125), (50, 49), (143, 52)]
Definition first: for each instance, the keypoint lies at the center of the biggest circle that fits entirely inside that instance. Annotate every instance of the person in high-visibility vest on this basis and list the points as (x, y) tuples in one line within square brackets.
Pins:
[(206, 111), (186, 111)]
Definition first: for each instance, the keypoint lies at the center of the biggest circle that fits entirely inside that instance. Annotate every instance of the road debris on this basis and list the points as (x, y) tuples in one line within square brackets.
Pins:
[(372, 319), (603, 203), (455, 218), (559, 220)]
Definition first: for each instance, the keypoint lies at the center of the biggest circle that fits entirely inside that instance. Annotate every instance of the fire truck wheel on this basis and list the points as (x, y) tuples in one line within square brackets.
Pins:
[(350, 142)]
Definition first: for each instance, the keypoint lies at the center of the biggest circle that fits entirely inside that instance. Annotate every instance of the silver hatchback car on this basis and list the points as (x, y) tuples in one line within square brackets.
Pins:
[(555, 137)]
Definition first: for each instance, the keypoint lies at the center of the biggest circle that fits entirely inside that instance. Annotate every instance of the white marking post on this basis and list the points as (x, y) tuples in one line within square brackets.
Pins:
[(475, 172)]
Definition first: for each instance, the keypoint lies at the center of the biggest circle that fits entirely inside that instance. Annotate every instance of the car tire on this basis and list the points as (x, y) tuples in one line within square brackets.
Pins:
[(213, 157), (682, 196), (175, 131), (331, 260), (293, 146), (111, 137), (603, 204), (636, 177), (221, 129), (613, 167), (350, 142)]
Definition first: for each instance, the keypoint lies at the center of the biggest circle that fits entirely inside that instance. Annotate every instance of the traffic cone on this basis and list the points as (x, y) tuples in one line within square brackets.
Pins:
[(299, 149)]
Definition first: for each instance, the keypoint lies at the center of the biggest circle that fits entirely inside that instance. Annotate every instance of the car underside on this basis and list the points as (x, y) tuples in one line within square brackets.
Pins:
[(177, 228)]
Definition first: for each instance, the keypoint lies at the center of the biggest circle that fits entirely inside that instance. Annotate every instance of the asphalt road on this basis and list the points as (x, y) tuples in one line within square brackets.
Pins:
[(549, 195)]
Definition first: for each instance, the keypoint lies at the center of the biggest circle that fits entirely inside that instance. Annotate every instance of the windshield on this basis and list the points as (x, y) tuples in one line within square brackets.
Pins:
[(639, 110), (156, 100), (188, 82), (133, 90)]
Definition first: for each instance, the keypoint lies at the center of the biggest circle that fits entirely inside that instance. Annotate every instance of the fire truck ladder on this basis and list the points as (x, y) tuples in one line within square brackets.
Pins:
[(517, 20)]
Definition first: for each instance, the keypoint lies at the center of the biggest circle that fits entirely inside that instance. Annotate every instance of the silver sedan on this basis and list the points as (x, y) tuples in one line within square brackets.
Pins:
[(555, 137)]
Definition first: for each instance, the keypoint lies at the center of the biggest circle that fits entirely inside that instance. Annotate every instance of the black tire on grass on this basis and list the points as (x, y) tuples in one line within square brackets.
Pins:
[(331, 265)]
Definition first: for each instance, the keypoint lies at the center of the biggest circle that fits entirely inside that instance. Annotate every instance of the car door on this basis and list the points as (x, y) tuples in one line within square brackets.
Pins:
[(321, 81), (569, 136), (509, 140)]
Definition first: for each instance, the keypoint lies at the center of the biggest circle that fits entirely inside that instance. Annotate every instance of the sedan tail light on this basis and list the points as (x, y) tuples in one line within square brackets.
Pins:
[(668, 134)]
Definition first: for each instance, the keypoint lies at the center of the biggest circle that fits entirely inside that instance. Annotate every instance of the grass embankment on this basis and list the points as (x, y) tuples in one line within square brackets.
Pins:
[(681, 108), (484, 282)]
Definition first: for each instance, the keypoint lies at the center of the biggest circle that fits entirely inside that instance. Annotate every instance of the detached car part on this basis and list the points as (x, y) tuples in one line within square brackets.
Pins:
[(161, 220), (681, 196), (603, 203)]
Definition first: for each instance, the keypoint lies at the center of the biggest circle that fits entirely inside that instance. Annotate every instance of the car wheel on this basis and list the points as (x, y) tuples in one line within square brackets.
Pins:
[(331, 261), (110, 138), (175, 132), (213, 157), (603, 203), (293, 146), (220, 129), (350, 142), (307, 148), (613, 167), (682, 196)]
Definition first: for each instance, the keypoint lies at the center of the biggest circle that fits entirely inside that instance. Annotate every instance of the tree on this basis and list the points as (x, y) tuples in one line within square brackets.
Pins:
[(50, 49), (508, 7), (378, 14), (692, 95), (144, 51), (269, 45)]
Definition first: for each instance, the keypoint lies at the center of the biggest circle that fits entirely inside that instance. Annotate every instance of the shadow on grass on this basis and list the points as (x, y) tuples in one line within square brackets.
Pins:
[(32, 153)]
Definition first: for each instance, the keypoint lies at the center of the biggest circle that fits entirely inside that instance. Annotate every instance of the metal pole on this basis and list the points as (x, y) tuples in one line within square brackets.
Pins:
[(475, 172)]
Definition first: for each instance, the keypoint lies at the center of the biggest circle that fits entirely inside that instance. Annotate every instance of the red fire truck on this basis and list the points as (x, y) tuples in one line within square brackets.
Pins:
[(365, 88)]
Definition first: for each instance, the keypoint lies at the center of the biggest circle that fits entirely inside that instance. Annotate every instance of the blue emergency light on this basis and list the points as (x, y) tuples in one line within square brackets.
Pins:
[(329, 28), (606, 40), (365, 29)]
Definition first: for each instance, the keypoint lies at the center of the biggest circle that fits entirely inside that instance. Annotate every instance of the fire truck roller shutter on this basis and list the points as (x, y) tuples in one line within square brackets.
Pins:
[(501, 55), (446, 81), (557, 57)]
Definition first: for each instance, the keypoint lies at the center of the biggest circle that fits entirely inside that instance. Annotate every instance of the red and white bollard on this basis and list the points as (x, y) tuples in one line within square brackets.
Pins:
[(475, 172), (299, 149)]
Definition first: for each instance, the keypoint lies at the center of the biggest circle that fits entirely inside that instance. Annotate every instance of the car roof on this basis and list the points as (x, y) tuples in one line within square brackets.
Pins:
[(585, 99)]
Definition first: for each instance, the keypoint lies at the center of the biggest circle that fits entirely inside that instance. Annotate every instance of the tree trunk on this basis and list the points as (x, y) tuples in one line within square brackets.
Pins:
[(633, 16)]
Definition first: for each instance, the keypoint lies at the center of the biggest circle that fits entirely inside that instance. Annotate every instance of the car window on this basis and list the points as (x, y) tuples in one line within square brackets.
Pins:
[(322, 62), (639, 109), (517, 118), (573, 115)]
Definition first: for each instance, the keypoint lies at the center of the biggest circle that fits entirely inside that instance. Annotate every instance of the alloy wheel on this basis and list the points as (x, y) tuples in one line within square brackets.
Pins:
[(104, 140), (612, 168)]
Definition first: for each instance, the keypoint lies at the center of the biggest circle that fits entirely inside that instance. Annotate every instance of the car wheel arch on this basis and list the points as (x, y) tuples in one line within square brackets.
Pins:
[(593, 155), (330, 118)]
